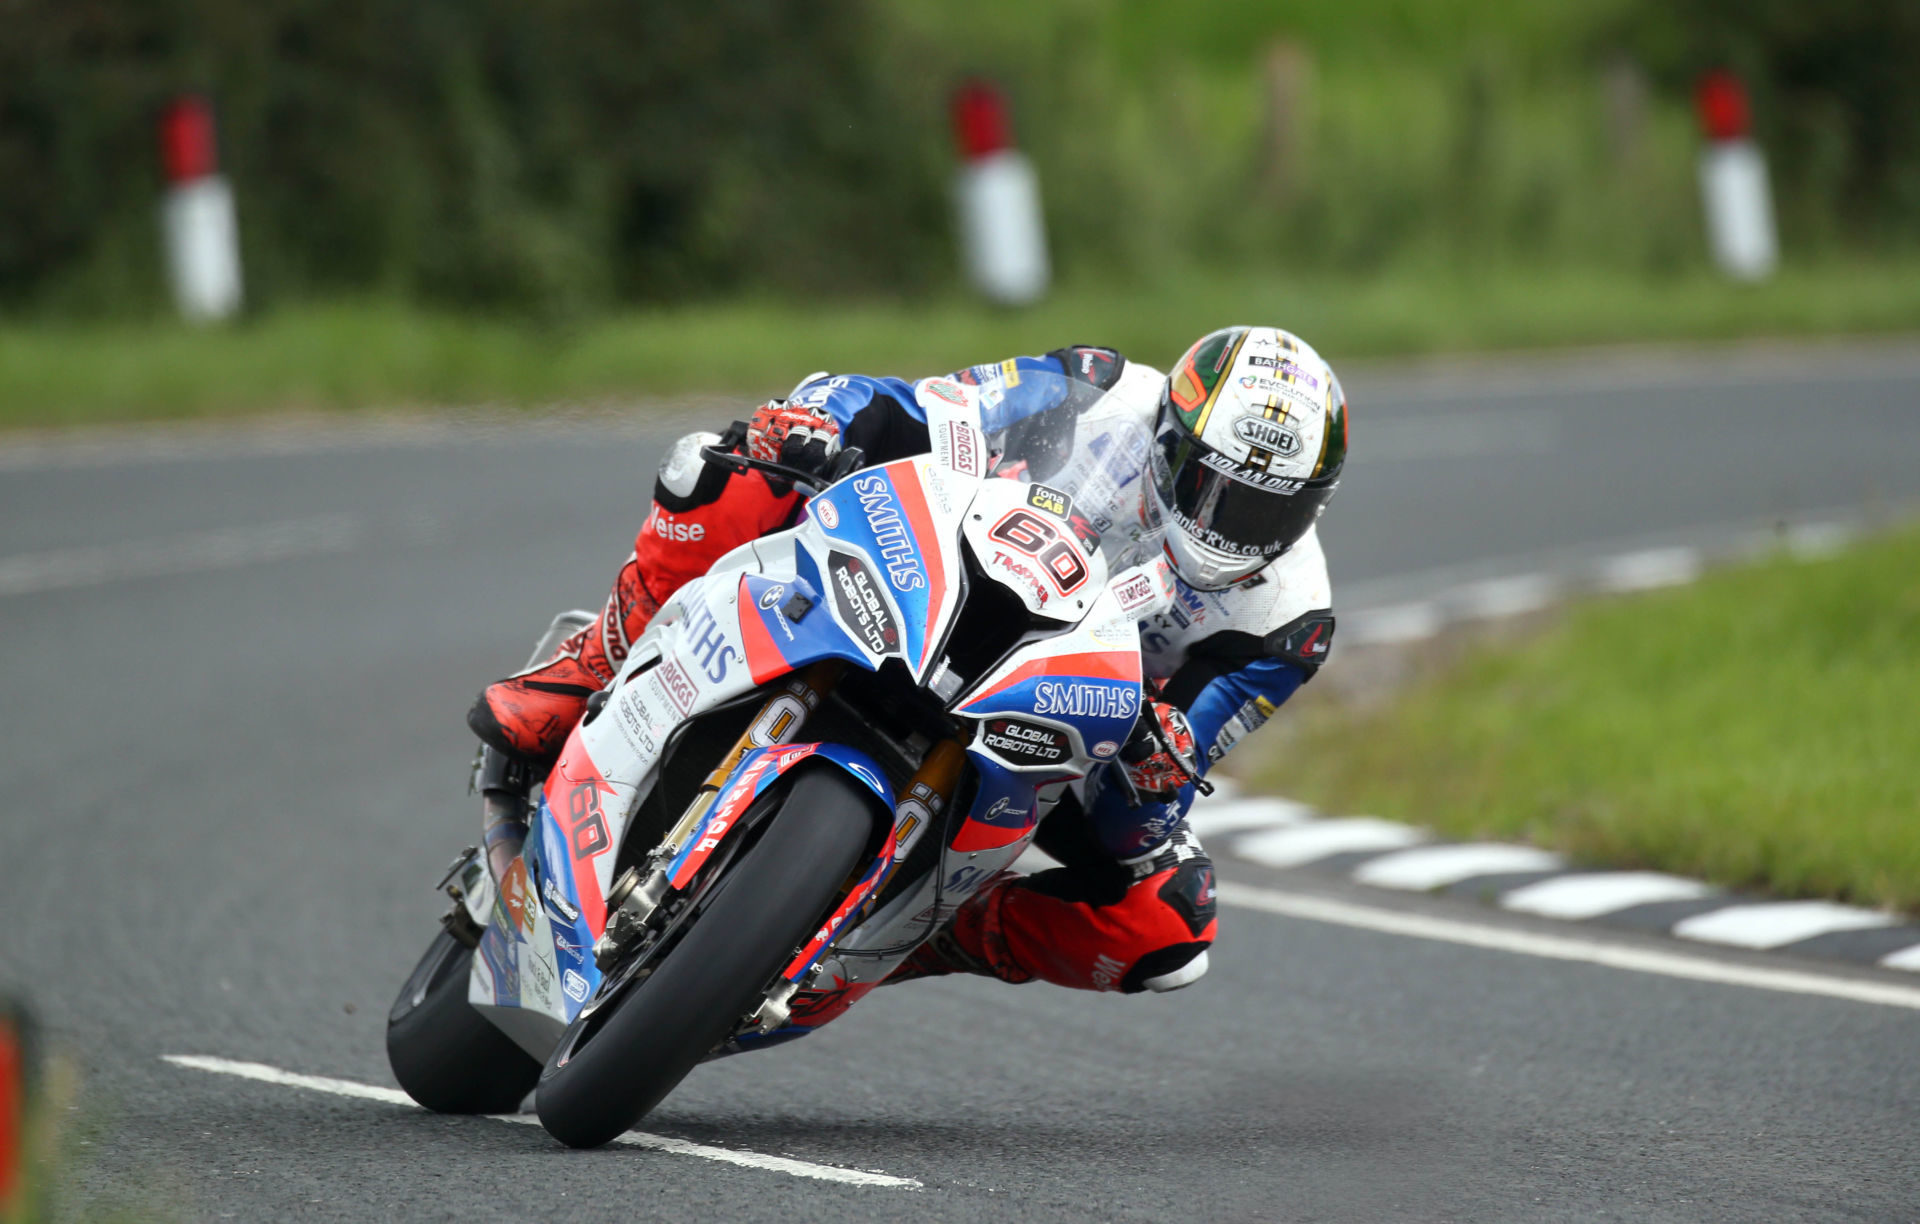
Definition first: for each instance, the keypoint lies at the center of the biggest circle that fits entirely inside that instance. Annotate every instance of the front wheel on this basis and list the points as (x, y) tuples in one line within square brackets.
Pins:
[(444, 1053), (607, 1072)]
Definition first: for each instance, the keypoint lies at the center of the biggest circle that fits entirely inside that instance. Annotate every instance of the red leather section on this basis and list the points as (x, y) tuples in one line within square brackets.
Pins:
[(674, 549), (1022, 933)]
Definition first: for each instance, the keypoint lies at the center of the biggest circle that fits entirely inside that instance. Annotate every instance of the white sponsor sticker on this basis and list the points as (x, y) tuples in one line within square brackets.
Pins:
[(678, 687), (963, 448), (1134, 593)]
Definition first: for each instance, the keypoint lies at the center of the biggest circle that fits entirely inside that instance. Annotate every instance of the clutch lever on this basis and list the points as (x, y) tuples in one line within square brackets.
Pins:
[(845, 463)]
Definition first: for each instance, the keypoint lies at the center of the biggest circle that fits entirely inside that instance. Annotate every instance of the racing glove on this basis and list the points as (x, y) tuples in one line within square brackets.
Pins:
[(797, 437), (1159, 757)]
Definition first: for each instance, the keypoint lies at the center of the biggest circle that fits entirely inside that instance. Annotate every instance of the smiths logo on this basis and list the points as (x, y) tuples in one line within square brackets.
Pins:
[(1081, 700), (1040, 497), (856, 597), (1026, 743), (890, 533), (1267, 435)]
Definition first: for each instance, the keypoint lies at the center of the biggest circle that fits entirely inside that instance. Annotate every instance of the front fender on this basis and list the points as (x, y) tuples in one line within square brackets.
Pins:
[(757, 771)]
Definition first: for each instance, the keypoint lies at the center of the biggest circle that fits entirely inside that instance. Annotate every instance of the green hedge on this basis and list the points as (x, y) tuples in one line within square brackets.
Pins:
[(552, 152), (562, 156)]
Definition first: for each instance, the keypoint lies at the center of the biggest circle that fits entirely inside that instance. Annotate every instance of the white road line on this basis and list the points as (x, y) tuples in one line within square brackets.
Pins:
[(1409, 622), (1212, 817), (1565, 948), (1576, 897), (1654, 567), (1772, 924), (1438, 866), (1500, 597), (26, 573), (659, 1143), (1322, 838), (1819, 540), (1905, 958)]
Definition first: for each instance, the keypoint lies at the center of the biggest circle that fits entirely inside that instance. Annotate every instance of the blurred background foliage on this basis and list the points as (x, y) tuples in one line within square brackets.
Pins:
[(559, 157)]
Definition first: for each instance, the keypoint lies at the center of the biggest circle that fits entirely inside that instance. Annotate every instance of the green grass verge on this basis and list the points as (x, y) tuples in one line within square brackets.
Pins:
[(1760, 729), (360, 355)]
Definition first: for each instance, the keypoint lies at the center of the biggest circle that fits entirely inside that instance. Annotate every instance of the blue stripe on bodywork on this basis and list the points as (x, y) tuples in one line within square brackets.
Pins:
[(898, 573)]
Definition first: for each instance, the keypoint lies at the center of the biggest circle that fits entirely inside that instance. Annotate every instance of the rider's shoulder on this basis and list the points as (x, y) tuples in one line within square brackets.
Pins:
[(1260, 614), (1290, 586), (1284, 610), (1091, 363), (1139, 384)]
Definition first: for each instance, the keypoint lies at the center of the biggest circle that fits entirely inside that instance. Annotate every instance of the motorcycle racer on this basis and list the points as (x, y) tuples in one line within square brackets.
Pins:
[(1249, 441)]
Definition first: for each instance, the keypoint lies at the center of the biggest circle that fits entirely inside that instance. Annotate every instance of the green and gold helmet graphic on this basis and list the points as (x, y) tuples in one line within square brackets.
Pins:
[(1250, 445)]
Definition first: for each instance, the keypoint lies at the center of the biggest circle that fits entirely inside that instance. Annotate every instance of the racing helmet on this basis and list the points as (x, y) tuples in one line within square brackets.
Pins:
[(1248, 447)]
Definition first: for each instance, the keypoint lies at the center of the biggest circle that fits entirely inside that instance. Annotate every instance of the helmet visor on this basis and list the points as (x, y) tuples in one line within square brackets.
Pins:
[(1244, 514)]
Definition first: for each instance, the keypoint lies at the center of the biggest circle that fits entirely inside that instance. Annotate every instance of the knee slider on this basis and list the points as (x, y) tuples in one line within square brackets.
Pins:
[(1189, 894), (1167, 969)]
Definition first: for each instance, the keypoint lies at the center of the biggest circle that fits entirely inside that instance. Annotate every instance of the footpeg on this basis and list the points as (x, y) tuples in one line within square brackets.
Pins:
[(775, 1009), (630, 906), (471, 888)]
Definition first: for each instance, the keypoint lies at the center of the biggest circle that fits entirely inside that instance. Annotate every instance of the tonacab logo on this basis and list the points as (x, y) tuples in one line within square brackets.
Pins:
[(1053, 501)]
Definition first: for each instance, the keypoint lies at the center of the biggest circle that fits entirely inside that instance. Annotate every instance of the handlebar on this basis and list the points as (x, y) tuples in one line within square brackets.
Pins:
[(844, 464)]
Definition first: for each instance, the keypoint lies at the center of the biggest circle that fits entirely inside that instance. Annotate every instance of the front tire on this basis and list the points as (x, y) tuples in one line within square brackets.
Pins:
[(445, 1054), (765, 907)]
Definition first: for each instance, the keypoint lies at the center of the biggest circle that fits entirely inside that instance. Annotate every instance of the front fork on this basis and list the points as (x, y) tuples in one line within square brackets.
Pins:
[(919, 809), (637, 895)]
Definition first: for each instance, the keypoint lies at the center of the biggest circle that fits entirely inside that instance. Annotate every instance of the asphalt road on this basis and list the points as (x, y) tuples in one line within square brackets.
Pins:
[(233, 758)]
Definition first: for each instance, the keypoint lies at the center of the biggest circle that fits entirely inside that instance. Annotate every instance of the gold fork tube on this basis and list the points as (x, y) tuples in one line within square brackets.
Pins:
[(779, 720)]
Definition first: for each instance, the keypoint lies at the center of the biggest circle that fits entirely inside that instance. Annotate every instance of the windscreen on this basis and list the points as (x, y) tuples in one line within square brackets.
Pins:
[(1089, 445)]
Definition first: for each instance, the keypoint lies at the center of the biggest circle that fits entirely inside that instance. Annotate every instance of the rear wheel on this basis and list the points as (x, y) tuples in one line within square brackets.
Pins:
[(610, 1068), (444, 1053)]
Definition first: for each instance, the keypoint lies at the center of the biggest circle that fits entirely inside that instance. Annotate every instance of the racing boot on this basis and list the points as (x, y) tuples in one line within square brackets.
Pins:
[(527, 716)]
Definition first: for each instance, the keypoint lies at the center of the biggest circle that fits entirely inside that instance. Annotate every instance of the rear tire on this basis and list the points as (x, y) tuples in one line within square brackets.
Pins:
[(445, 1054), (769, 904)]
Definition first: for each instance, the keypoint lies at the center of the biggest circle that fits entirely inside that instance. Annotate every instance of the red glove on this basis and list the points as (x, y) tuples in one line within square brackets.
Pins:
[(803, 438), (1160, 756)]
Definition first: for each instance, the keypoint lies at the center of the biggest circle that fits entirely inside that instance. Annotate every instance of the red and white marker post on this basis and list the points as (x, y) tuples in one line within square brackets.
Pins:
[(197, 217), (1733, 182), (1003, 236)]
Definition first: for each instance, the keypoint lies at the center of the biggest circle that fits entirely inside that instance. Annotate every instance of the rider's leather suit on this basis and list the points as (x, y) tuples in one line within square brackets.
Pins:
[(1132, 907)]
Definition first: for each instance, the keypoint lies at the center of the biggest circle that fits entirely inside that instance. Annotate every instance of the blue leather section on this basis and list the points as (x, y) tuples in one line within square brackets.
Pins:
[(842, 396), (1228, 708)]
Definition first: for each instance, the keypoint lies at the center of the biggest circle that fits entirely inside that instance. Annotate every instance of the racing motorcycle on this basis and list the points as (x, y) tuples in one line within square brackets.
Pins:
[(809, 760)]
